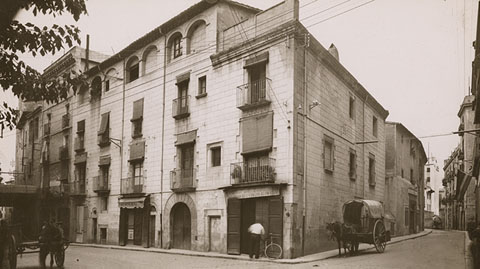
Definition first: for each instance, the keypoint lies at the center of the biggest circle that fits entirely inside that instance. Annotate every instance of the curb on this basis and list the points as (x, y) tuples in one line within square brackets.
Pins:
[(324, 255)]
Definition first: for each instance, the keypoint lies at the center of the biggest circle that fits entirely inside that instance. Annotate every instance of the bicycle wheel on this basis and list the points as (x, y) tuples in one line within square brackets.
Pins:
[(273, 251)]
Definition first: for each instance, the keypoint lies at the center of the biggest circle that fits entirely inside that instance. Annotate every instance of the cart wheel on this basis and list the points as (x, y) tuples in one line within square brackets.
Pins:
[(12, 252), (379, 236), (60, 257)]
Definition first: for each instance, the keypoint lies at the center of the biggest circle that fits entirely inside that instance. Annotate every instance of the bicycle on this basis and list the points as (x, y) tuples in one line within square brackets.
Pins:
[(272, 250)]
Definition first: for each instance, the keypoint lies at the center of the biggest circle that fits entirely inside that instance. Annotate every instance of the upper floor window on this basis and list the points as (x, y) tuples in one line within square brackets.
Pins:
[(150, 60), (375, 127), (107, 85), (371, 170), (104, 131), (137, 118), (80, 139), (177, 47), (202, 86), (428, 169), (196, 37), (328, 154), (216, 153), (351, 107), (352, 166), (96, 87), (132, 69)]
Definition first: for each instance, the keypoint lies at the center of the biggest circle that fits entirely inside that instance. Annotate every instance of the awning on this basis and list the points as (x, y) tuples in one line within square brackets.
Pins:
[(133, 202), (186, 138), (137, 151)]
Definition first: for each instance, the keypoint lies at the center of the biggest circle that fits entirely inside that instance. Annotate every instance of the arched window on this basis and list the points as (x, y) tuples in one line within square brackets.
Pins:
[(196, 38), (150, 60), (175, 46), (82, 94), (132, 67), (96, 87)]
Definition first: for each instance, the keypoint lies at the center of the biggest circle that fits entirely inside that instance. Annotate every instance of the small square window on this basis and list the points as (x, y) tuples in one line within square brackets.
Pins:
[(216, 156), (202, 85)]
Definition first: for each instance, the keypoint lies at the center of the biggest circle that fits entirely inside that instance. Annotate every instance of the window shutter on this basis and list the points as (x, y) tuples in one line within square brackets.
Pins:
[(104, 125), (137, 151), (257, 133), (81, 126), (137, 110)]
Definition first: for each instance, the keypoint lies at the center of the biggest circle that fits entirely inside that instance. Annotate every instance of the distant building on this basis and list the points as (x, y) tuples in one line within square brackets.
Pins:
[(432, 187), (404, 179)]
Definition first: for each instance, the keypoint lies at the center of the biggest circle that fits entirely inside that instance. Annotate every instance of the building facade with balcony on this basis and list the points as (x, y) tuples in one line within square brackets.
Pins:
[(404, 180), (453, 210), (223, 116), (432, 188)]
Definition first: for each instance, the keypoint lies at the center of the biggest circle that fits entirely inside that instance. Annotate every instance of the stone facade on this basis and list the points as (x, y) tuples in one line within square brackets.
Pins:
[(404, 170)]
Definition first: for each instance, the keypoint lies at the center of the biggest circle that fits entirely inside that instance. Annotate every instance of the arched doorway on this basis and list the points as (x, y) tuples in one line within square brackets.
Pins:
[(181, 226)]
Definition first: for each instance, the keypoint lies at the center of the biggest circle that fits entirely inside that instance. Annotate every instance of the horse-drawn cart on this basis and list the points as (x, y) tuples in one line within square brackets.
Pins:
[(19, 245), (365, 219)]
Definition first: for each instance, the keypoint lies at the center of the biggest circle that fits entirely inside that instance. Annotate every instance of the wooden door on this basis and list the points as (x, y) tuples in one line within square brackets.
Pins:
[(248, 218), (275, 219), (181, 230), (233, 225), (138, 221)]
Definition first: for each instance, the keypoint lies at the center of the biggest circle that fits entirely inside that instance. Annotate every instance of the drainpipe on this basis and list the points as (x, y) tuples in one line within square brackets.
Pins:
[(123, 123), (363, 147), (163, 134), (305, 106)]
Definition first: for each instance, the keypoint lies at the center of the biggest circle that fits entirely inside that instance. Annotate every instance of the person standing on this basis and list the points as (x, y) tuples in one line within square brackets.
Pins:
[(256, 232)]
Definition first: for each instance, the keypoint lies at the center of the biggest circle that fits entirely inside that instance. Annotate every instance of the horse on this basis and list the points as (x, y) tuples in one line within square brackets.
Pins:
[(50, 241), (344, 235)]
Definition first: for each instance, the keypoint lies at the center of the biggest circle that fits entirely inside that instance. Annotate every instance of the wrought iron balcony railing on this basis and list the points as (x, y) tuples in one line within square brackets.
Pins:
[(132, 185), (254, 94), (180, 107), (256, 171), (182, 180), (101, 184)]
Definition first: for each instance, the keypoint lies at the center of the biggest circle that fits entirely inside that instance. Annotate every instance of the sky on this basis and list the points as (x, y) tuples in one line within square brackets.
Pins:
[(413, 56)]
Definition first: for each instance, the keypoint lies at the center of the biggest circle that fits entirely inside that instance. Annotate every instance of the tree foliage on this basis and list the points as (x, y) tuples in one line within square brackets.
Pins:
[(25, 82)]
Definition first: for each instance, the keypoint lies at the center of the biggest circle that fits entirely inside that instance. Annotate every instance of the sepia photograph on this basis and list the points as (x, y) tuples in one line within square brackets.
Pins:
[(240, 134)]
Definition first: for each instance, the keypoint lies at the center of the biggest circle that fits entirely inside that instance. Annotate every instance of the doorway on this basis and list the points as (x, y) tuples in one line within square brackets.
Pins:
[(214, 235), (248, 218), (181, 226)]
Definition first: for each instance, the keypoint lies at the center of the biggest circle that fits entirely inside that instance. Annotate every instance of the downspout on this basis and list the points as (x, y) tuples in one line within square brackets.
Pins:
[(163, 135), (363, 147), (304, 187), (123, 123)]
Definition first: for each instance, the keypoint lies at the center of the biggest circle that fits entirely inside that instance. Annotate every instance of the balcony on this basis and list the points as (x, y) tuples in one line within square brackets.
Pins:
[(180, 107), (182, 180), (76, 188), (46, 129), (132, 185), (63, 153), (104, 139), (101, 185), (65, 121), (79, 145), (254, 94), (258, 171)]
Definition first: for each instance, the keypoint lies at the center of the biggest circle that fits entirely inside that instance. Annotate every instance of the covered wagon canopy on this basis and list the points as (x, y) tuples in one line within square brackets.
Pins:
[(356, 209)]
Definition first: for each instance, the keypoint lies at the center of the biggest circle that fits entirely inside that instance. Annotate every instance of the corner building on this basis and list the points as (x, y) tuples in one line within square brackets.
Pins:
[(223, 116)]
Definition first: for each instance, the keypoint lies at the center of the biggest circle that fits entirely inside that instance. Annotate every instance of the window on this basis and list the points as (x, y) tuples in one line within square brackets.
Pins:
[(352, 172), (186, 160), (202, 86), (406, 216), (216, 153), (180, 105), (428, 169), (104, 131), (257, 83), (107, 85), (96, 87), (371, 170), (103, 203), (402, 173), (351, 107), (411, 176), (375, 127), (137, 118), (177, 46), (137, 170), (257, 133), (103, 235), (35, 129), (105, 172), (132, 69), (80, 140), (401, 139), (328, 154), (428, 179)]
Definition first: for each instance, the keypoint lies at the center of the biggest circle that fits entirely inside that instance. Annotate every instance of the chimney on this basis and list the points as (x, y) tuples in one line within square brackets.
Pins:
[(333, 50), (87, 53)]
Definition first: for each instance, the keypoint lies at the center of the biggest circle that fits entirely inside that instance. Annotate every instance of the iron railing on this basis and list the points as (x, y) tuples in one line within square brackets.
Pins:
[(180, 107), (182, 179), (253, 94), (131, 185), (253, 171)]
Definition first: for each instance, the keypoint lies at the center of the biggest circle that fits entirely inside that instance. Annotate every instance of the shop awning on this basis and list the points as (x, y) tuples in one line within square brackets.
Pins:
[(131, 202)]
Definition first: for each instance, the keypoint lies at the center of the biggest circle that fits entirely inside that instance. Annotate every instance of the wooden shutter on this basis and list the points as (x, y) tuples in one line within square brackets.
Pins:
[(137, 151), (85, 221), (122, 231), (233, 225), (275, 219), (138, 225), (137, 110), (257, 133), (104, 123)]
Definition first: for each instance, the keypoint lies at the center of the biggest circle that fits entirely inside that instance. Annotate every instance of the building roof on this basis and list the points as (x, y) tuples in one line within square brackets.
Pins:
[(424, 155), (165, 28)]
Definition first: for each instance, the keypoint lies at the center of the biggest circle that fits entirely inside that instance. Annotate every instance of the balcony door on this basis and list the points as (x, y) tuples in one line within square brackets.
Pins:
[(182, 97), (257, 80), (186, 164)]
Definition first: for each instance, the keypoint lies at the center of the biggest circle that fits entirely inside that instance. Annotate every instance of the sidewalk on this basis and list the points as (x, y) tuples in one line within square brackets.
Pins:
[(468, 254), (305, 259)]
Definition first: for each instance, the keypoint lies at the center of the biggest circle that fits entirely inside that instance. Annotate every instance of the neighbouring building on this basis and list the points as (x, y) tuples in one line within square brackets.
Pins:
[(432, 187), (223, 116), (454, 214), (404, 180)]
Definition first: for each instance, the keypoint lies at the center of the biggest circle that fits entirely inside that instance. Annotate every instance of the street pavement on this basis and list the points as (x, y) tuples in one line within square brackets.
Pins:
[(439, 249)]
